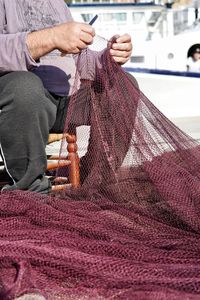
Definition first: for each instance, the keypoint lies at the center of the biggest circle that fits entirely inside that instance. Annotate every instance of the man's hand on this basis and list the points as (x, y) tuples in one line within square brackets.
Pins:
[(70, 37), (121, 48)]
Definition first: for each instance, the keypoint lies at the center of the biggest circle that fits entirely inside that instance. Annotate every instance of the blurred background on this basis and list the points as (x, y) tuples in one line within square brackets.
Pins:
[(166, 50)]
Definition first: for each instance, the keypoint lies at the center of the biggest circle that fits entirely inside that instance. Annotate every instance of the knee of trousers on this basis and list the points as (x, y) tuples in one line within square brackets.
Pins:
[(23, 90)]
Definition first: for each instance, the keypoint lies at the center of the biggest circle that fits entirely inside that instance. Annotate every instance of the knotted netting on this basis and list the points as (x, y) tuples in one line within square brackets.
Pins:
[(131, 230)]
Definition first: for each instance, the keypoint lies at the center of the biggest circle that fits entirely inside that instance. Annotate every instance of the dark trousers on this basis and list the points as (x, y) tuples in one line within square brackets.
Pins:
[(28, 113)]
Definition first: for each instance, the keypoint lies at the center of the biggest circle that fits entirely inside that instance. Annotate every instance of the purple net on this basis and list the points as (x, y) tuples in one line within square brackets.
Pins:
[(131, 231)]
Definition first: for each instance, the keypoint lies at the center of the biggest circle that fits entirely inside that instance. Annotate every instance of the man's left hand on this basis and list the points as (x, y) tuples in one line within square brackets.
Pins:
[(121, 49)]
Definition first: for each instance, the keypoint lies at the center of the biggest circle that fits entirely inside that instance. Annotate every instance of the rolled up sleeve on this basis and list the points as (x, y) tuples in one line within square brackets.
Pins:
[(14, 54)]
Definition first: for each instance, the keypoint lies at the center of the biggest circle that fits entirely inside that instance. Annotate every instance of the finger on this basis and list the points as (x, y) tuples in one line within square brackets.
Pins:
[(118, 53), (125, 38), (112, 40), (122, 46), (88, 29), (73, 51), (81, 45), (86, 38), (120, 60), (76, 51)]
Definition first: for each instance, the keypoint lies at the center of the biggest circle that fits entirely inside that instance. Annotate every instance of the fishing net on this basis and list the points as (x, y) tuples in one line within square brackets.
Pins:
[(131, 231)]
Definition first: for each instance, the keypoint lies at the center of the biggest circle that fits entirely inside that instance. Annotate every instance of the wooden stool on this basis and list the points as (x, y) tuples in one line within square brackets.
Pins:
[(72, 161)]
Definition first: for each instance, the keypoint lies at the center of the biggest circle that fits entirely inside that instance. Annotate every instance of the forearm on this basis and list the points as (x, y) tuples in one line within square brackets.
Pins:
[(40, 42)]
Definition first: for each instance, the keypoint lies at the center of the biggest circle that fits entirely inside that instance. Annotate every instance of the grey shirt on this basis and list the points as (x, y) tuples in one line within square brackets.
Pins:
[(17, 19)]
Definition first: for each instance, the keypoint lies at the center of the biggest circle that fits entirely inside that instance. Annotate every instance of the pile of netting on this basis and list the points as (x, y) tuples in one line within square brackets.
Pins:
[(131, 231)]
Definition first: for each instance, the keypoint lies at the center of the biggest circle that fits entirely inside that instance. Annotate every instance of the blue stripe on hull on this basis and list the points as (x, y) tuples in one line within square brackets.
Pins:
[(162, 72)]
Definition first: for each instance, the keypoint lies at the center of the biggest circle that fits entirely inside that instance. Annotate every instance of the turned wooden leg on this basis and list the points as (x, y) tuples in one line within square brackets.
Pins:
[(74, 169)]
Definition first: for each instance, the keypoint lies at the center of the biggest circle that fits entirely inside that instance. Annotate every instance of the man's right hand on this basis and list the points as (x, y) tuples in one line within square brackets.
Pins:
[(71, 37)]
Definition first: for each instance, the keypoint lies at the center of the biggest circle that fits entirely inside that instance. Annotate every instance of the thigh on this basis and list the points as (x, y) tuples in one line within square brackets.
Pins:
[(21, 86), (22, 94)]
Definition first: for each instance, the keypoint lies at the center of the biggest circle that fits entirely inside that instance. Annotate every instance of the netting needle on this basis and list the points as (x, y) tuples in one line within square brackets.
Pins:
[(93, 20)]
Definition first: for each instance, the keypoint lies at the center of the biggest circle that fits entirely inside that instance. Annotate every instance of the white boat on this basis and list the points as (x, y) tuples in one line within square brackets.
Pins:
[(161, 35), (169, 53)]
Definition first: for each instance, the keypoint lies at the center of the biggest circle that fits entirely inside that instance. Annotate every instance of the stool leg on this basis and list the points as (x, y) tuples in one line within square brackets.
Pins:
[(74, 168)]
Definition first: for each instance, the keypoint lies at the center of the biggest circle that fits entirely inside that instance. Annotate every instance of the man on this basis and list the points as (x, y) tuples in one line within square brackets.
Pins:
[(36, 80)]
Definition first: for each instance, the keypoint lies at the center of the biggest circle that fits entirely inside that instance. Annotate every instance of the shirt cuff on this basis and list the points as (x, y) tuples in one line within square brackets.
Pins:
[(30, 62)]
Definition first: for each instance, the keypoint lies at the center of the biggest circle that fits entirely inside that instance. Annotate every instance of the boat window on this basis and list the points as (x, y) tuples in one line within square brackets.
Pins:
[(180, 21), (137, 59), (137, 17), (154, 18), (107, 17), (87, 17)]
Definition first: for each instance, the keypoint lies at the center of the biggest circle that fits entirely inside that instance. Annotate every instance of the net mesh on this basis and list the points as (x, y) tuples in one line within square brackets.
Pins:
[(131, 231)]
